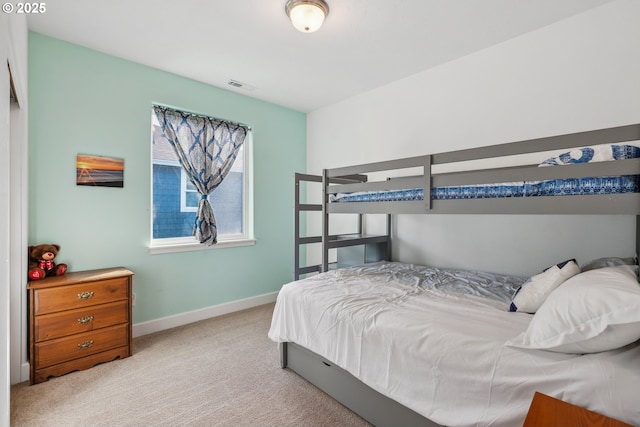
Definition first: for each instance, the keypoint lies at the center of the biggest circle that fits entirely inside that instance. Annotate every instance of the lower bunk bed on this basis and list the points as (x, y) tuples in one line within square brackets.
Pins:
[(408, 345)]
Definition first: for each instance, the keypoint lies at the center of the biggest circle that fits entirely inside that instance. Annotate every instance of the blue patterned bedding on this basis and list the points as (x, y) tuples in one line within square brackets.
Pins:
[(555, 187)]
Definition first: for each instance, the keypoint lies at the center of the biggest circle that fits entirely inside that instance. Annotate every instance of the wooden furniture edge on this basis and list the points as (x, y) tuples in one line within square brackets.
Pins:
[(548, 411), (80, 277)]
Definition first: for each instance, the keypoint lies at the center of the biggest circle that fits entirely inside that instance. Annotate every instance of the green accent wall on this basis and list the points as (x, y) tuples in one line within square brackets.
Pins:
[(83, 101)]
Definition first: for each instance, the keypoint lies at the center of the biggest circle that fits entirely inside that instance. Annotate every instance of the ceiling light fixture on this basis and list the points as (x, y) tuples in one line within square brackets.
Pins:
[(306, 15)]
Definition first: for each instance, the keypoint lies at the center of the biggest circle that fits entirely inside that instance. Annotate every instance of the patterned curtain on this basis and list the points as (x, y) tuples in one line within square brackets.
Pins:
[(206, 148)]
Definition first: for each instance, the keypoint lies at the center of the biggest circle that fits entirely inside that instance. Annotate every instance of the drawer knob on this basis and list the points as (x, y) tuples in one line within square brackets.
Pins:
[(85, 295), (85, 344), (85, 319)]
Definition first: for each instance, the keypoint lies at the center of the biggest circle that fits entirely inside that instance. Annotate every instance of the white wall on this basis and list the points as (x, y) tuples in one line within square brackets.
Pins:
[(13, 143), (579, 74), (19, 209)]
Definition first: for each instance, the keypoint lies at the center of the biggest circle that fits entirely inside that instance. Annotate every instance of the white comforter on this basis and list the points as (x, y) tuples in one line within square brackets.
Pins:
[(442, 353)]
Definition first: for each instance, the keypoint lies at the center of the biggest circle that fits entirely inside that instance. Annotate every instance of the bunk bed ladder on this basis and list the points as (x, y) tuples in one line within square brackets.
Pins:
[(299, 240)]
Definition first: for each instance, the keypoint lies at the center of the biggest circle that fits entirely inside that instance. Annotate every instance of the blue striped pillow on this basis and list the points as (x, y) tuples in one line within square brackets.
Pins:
[(529, 297), (598, 153)]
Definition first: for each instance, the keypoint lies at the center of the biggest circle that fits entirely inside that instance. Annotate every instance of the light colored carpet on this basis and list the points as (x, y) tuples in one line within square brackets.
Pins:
[(218, 372)]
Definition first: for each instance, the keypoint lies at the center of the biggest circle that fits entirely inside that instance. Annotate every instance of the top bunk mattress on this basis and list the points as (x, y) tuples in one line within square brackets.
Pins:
[(556, 187)]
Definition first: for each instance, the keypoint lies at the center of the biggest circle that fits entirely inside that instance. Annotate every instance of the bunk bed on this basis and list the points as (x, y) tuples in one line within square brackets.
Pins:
[(391, 342)]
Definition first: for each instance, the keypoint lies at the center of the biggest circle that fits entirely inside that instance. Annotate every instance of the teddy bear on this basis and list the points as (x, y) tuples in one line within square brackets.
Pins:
[(41, 262)]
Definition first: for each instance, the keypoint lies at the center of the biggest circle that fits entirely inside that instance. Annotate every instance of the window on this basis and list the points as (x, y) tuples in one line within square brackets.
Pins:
[(188, 194), (175, 199)]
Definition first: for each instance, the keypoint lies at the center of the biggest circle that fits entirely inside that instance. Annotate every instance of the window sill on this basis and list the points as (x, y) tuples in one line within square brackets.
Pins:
[(170, 247)]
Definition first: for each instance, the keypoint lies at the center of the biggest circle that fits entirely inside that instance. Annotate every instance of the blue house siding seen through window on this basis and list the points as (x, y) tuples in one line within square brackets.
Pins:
[(171, 221)]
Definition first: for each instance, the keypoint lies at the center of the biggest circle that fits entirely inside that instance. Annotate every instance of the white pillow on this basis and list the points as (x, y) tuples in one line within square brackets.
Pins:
[(598, 310), (530, 296)]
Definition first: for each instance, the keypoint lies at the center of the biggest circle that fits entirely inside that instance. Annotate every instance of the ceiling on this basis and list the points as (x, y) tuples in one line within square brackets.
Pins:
[(362, 45)]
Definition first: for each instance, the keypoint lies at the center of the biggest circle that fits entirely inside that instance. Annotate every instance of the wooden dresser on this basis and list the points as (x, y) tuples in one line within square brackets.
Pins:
[(546, 411), (78, 320)]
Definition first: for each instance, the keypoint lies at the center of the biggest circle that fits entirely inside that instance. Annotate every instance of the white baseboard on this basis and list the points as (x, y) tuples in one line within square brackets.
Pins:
[(25, 371), (169, 322)]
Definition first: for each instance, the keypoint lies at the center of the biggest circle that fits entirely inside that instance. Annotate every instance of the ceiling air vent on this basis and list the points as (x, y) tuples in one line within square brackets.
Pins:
[(240, 85)]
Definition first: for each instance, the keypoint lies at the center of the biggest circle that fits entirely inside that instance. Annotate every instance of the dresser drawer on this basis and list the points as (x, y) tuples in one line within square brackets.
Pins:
[(61, 324), (41, 375), (87, 343), (81, 295)]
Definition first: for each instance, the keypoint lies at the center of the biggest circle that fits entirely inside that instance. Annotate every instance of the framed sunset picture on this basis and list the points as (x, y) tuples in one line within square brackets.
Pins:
[(99, 171)]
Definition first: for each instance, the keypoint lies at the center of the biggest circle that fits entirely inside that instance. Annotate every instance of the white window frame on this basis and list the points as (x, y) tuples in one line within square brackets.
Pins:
[(189, 243), (184, 182)]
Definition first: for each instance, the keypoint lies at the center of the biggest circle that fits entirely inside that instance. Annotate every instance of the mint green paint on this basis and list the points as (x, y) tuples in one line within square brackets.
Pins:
[(83, 101)]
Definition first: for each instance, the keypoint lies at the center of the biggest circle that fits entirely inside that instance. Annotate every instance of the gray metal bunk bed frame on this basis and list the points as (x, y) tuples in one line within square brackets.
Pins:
[(368, 403)]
